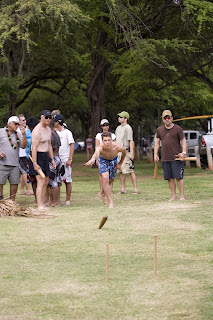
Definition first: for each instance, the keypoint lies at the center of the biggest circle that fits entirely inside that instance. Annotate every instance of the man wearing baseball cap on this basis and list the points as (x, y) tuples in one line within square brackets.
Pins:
[(124, 136), (173, 145), (66, 152), (41, 153), (10, 142)]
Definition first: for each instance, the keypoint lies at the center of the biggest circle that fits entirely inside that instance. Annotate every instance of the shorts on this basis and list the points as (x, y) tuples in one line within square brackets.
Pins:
[(43, 162), (55, 174), (9, 172), (105, 165), (127, 163), (67, 177), (23, 165), (173, 170)]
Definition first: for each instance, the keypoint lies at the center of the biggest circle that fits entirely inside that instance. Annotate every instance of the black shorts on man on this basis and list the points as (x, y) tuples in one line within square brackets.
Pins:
[(173, 170), (43, 162)]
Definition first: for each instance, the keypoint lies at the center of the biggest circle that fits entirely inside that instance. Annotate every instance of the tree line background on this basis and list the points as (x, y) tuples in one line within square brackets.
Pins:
[(94, 58)]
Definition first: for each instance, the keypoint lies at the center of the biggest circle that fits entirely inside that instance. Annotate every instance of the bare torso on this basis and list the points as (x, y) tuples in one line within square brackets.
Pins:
[(41, 137), (110, 152)]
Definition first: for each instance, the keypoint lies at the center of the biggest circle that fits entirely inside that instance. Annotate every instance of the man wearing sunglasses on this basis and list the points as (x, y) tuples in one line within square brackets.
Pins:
[(173, 145), (10, 143), (41, 152)]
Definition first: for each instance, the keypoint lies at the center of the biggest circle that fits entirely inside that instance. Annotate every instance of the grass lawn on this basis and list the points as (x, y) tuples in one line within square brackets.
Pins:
[(55, 268)]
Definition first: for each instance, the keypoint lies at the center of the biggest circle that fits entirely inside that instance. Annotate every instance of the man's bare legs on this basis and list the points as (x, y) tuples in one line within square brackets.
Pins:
[(41, 191), (180, 185), (107, 187), (122, 179), (172, 187), (134, 182), (13, 190), (68, 192), (54, 195), (1, 190), (23, 182)]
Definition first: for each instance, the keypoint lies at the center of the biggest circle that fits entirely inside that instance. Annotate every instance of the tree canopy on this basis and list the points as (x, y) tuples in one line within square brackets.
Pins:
[(92, 59)]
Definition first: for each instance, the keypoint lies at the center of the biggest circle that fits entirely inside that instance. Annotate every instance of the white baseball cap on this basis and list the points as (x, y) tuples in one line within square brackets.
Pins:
[(103, 121), (13, 119)]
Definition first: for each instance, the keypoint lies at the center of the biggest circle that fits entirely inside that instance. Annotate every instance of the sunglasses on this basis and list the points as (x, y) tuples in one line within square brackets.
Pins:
[(48, 117), (16, 124), (121, 117), (105, 125), (167, 117)]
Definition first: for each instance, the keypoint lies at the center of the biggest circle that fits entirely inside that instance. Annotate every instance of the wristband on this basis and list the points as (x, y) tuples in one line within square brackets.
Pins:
[(183, 152)]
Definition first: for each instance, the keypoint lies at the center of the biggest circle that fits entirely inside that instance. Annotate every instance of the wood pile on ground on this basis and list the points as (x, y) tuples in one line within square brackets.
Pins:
[(9, 208)]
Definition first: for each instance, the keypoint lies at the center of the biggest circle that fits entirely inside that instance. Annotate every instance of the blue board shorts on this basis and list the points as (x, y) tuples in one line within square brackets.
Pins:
[(105, 165)]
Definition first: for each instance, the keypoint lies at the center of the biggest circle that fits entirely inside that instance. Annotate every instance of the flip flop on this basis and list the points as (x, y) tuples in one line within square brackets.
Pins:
[(136, 192), (121, 192)]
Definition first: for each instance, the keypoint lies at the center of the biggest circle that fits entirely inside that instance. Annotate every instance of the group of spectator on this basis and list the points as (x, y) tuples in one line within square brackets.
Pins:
[(47, 146)]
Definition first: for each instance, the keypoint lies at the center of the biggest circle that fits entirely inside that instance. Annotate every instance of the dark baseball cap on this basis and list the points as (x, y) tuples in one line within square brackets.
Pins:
[(59, 118), (46, 113)]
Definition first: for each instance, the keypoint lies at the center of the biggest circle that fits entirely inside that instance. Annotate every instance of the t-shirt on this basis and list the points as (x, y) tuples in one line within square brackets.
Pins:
[(99, 137), (170, 141), (12, 155), (124, 135), (23, 152), (66, 138)]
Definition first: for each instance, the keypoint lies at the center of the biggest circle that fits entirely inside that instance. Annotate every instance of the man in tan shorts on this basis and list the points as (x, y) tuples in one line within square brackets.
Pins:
[(41, 152), (124, 136)]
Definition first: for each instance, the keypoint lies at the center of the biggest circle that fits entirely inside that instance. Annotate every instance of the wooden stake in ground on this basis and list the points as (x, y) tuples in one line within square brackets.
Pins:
[(155, 254), (107, 261), (39, 171), (103, 220), (156, 170)]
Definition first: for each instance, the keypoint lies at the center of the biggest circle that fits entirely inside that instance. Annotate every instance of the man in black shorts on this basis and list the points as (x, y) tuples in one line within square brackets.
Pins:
[(41, 152), (170, 135)]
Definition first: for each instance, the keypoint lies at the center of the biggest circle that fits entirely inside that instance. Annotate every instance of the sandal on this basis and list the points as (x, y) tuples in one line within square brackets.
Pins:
[(121, 192)]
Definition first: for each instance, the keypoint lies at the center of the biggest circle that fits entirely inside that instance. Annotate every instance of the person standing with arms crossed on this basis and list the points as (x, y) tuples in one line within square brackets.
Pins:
[(124, 136), (41, 152), (170, 135)]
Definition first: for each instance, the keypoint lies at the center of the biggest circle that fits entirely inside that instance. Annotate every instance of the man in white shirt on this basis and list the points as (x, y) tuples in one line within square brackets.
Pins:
[(66, 152)]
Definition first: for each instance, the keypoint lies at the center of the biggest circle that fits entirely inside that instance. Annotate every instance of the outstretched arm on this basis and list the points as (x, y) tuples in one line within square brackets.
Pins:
[(94, 157)]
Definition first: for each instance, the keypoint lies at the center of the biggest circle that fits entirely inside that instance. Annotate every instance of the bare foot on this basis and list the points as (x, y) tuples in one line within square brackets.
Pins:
[(111, 205), (172, 199), (30, 193), (42, 208), (182, 198), (102, 197)]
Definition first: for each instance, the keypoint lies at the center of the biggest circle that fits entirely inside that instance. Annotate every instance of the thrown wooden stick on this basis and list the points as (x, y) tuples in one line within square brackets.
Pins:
[(39, 170)]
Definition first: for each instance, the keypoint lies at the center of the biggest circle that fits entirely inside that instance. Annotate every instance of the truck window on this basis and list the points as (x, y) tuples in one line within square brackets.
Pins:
[(193, 135), (186, 135)]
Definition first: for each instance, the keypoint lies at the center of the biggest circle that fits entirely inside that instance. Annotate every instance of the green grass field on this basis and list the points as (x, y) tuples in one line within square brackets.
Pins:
[(55, 268)]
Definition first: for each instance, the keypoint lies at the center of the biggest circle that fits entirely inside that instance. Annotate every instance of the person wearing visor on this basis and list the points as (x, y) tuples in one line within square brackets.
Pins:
[(41, 152), (173, 145), (10, 143), (124, 136), (104, 124)]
